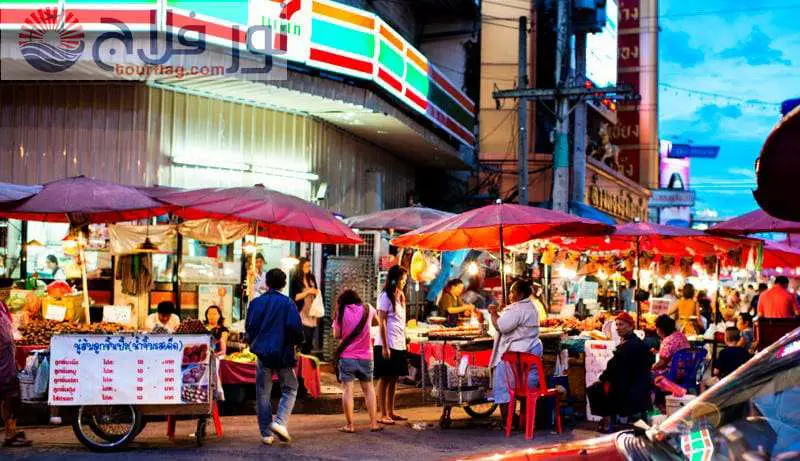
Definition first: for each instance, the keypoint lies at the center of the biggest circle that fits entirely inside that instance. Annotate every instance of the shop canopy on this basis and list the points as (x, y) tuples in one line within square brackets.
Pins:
[(755, 222), (777, 255), (495, 226), (82, 200), (13, 192), (277, 215), (658, 238), (398, 219)]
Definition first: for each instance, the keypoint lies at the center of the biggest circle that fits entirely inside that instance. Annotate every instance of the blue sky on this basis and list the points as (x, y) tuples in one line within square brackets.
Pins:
[(752, 56)]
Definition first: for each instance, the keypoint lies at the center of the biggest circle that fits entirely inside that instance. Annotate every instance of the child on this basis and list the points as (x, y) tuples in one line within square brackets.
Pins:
[(745, 326), (733, 356)]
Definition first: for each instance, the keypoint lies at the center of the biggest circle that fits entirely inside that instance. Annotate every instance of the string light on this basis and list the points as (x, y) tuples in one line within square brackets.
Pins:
[(473, 269)]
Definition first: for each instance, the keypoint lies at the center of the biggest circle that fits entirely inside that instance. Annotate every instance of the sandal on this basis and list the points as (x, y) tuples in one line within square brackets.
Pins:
[(398, 418), (17, 440), (347, 430), (386, 421), (376, 429)]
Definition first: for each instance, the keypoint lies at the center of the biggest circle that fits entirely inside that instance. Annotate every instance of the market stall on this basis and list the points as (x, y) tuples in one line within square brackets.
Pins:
[(454, 355)]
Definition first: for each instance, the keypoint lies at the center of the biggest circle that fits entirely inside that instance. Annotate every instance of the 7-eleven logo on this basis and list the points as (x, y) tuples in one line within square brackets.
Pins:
[(698, 446), (288, 10)]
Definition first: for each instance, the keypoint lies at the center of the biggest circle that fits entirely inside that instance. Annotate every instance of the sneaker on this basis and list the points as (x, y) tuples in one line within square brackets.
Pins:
[(55, 420), (280, 432), (268, 440)]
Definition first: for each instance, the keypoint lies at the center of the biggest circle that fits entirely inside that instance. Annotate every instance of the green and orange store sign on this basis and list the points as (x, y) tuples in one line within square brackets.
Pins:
[(318, 33)]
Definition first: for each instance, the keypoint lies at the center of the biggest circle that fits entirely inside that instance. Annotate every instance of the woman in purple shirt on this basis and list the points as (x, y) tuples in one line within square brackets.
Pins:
[(351, 326)]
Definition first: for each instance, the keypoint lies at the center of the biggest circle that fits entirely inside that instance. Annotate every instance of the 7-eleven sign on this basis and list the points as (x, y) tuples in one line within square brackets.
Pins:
[(289, 22), (698, 446)]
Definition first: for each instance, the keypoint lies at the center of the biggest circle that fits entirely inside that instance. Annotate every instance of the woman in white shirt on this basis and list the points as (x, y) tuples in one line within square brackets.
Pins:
[(517, 331), (390, 345)]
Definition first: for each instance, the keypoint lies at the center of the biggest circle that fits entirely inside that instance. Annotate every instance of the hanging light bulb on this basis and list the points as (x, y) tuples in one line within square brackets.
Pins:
[(249, 247), (473, 269)]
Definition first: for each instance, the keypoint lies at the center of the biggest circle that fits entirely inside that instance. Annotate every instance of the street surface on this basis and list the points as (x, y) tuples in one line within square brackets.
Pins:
[(315, 437)]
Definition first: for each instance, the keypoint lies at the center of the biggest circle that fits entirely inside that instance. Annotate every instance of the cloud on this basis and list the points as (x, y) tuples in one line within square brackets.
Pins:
[(756, 49), (746, 172), (674, 47)]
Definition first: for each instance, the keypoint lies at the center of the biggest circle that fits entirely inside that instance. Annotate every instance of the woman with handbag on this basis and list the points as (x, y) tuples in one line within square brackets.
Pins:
[(304, 292), (352, 322)]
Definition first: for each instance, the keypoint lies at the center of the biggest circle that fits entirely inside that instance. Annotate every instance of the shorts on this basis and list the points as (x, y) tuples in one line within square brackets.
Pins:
[(355, 370), (500, 382), (395, 367)]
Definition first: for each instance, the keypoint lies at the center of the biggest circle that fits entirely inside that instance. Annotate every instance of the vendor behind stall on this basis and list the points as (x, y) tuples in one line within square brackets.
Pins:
[(53, 270), (164, 318), (451, 305)]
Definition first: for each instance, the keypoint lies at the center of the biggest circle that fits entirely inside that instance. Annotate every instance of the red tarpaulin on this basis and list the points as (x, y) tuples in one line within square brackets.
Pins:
[(399, 219), (779, 255), (245, 373), (279, 216), (82, 200), (479, 229), (755, 222)]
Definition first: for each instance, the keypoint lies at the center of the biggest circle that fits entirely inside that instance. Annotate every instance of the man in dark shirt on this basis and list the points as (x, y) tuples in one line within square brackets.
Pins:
[(762, 287), (273, 329), (733, 356), (627, 375)]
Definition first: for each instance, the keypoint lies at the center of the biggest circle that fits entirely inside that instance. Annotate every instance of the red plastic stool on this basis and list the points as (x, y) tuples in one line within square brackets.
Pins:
[(518, 367)]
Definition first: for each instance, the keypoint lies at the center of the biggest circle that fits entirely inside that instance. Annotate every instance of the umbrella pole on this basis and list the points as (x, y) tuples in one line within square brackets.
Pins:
[(503, 268), (84, 277), (638, 287)]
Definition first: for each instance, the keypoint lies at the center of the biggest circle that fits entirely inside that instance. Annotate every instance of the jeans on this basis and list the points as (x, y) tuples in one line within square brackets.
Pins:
[(308, 339), (288, 383)]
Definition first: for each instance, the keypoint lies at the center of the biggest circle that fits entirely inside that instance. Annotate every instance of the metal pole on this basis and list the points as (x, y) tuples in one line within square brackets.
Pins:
[(714, 320), (502, 255), (561, 147), (23, 255), (522, 112), (578, 185), (638, 281)]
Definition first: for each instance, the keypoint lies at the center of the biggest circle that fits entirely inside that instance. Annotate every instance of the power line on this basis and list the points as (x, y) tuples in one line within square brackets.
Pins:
[(721, 96)]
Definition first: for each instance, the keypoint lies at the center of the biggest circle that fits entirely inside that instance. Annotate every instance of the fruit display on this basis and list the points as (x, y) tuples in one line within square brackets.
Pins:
[(242, 357), (194, 374), (39, 332), (59, 289), (191, 327)]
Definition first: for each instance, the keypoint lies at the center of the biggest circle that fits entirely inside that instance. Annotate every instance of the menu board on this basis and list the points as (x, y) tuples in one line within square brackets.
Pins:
[(129, 369)]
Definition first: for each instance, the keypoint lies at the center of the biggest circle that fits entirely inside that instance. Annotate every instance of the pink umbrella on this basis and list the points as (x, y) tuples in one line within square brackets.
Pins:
[(279, 216), (81, 200), (755, 222), (777, 255), (399, 219), (12, 192)]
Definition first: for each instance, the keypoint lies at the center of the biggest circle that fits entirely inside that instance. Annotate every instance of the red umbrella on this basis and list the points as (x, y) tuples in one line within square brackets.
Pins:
[(496, 226), (12, 192), (399, 219), (80, 200), (279, 216), (755, 222), (777, 255), (668, 240)]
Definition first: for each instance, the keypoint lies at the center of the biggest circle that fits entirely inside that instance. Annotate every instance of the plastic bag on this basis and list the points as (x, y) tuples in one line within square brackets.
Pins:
[(317, 307), (42, 381)]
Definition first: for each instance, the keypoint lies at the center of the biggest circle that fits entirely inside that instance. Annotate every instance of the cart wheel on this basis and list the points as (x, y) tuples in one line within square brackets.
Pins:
[(482, 410), (106, 428), (445, 423), (141, 426), (200, 433)]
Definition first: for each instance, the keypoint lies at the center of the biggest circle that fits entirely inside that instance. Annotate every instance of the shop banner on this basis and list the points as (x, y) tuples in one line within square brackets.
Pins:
[(129, 369)]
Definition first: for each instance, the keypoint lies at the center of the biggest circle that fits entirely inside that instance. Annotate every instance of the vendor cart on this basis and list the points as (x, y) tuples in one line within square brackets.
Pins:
[(459, 373), (114, 383)]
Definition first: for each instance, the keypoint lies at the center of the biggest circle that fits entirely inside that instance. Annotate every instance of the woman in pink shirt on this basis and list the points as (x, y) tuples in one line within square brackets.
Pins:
[(351, 326)]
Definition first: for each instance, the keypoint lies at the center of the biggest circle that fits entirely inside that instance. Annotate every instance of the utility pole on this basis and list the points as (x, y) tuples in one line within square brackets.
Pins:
[(561, 148), (579, 143), (522, 112)]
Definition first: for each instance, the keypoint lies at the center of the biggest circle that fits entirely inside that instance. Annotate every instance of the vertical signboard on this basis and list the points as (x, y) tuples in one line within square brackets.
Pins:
[(627, 134)]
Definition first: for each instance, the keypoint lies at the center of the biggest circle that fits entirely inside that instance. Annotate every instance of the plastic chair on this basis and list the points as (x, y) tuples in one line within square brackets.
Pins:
[(518, 367), (684, 367)]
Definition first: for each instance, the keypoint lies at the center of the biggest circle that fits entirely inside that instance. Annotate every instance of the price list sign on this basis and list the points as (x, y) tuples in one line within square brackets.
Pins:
[(129, 369)]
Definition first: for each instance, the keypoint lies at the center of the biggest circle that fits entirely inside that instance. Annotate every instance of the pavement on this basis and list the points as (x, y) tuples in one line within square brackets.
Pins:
[(316, 437)]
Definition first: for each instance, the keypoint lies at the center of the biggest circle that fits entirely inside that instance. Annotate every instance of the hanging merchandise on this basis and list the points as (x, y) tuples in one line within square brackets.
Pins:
[(549, 255), (734, 258), (710, 264), (686, 266), (418, 266), (666, 265), (431, 268), (136, 273)]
